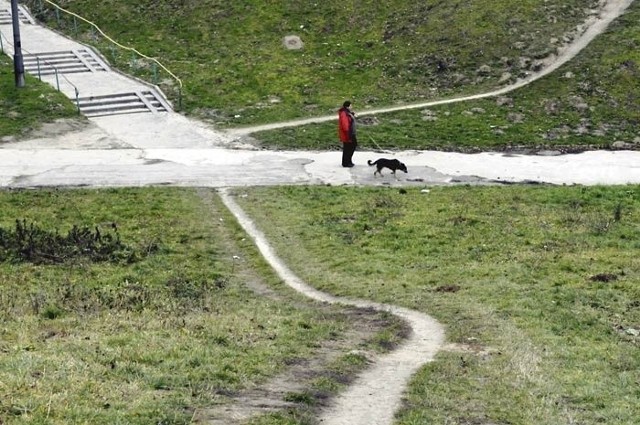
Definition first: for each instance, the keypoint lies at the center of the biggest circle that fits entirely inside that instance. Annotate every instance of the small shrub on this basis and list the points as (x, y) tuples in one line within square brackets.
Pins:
[(617, 212), (603, 277), (303, 398), (52, 312), (28, 242)]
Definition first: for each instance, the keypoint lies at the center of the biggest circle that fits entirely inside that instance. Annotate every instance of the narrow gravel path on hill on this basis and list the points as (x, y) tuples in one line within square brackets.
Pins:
[(608, 12)]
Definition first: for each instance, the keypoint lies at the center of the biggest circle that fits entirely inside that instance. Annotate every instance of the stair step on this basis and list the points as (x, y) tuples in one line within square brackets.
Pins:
[(62, 69), (121, 103), (109, 112), (5, 17), (70, 61), (110, 100), (114, 108), (47, 72)]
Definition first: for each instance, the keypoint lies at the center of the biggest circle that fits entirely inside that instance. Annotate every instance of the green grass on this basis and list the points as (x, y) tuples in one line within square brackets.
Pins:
[(589, 103), (148, 341), (236, 70), (539, 283), (25, 108)]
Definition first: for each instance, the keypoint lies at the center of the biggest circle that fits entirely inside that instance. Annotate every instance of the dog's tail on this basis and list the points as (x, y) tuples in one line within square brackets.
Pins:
[(371, 163)]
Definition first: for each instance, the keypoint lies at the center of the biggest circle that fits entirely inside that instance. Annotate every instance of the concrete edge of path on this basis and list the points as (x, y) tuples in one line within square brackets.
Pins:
[(376, 395)]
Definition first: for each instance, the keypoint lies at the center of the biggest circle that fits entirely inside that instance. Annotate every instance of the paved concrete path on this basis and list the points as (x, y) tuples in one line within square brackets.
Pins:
[(214, 167), (168, 148)]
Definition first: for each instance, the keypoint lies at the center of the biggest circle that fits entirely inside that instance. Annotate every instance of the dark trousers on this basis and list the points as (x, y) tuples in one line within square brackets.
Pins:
[(348, 148)]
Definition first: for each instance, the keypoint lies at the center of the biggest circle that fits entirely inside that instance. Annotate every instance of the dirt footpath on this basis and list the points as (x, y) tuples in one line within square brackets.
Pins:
[(375, 396)]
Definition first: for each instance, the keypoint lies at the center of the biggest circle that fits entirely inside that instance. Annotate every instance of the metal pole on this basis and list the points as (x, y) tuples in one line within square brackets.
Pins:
[(18, 62)]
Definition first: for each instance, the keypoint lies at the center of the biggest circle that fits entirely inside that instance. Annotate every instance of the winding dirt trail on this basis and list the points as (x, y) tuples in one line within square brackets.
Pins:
[(376, 394), (609, 10)]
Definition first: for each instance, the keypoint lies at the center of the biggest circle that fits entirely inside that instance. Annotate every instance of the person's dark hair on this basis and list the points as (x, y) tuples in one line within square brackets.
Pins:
[(346, 104)]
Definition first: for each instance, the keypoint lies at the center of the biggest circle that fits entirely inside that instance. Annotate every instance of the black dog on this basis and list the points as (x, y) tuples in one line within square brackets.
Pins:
[(392, 164)]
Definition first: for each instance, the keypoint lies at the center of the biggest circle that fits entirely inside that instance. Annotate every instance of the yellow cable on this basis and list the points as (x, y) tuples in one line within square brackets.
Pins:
[(115, 42)]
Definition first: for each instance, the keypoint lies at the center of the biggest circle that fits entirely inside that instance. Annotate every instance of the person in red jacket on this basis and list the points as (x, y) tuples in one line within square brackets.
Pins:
[(347, 133)]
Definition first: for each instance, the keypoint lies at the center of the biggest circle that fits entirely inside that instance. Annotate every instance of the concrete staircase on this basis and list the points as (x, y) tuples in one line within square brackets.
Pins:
[(122, 103), (69, 62), (78, 67), (5, 17)]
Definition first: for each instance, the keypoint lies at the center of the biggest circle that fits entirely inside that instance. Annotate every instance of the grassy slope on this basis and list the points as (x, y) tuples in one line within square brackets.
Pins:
[(518, 274), (146, 342), (236, 71), (231, 58), (22, 109), (590, 102)]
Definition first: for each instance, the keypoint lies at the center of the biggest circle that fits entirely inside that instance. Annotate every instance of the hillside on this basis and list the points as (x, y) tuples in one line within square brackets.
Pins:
[(237, 70)]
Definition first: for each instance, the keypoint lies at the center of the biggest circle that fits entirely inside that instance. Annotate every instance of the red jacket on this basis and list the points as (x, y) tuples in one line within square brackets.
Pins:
[(345, 125)]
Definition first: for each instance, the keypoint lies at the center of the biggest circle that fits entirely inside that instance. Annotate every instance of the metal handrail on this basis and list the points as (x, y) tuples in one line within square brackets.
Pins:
[(131, 49), (75, 88)]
